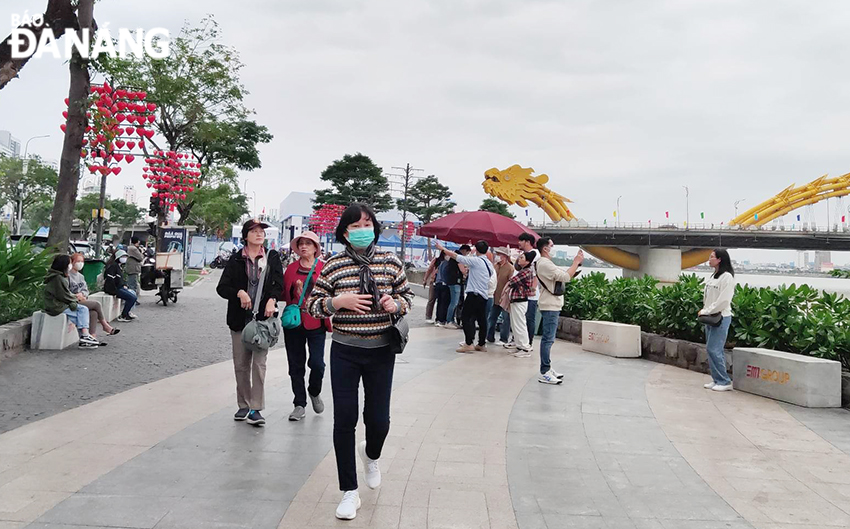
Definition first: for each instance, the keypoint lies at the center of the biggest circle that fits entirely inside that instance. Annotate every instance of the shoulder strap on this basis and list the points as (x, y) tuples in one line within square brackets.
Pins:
[(307, 283), (540, 279), (259, 298), (487, 266)]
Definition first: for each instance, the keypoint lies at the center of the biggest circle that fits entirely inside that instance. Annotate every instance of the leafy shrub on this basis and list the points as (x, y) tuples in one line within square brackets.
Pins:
[(796, 319), (22, 273), (678, 306)]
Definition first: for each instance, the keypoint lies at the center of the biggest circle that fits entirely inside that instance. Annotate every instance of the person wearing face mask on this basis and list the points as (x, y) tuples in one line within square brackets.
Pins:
[(134, 265), (301, 275), (521, 287), (113, 284), (361, 288), (80, 289), (58, 299), (504, 271)]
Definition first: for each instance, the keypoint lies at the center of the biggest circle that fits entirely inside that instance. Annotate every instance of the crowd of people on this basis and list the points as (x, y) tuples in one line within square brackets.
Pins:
[(500, 289), (67, 292)]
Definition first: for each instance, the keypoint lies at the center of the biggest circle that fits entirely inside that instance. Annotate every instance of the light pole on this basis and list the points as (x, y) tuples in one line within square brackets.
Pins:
[(618, 210), (736, 206), (254, 210), (687, 208), (20, 213)]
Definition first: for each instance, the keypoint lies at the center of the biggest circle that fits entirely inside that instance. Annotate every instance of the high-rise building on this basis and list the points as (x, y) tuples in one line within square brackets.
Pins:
[(130, 194), (9, 145), (823, 261), (802, 260)]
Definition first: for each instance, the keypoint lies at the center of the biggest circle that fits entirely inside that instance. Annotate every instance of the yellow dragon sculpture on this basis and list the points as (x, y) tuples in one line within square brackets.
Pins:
[(516, 185)]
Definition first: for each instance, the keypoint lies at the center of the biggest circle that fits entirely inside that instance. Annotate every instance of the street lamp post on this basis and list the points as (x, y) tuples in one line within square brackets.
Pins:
[(618, 210), (736, 206), (20, 213), (687, 208)]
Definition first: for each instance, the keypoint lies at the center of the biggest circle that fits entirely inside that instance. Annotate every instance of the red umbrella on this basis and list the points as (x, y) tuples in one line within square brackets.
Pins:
[(495, 229)]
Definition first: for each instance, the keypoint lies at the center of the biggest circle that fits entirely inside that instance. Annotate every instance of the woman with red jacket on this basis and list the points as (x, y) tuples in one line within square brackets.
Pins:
[(311, 333)]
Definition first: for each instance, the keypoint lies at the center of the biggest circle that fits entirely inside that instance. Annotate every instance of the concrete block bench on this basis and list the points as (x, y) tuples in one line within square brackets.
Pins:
[(613, 339), (798, 379), (52, 332), (111, 305)]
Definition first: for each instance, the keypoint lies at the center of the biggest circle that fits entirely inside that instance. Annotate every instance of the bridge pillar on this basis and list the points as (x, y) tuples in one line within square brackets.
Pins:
[(664, 264)]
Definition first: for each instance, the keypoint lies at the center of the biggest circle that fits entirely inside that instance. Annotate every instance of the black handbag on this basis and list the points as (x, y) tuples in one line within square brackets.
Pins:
[(399, 334), (712, 320)]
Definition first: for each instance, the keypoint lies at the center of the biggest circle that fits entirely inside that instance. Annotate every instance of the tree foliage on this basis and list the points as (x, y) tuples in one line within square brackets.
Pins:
[(35, 186), (496, 206), (355, 178), (200, 100), (219, 204), (428, 199), (121, 213)]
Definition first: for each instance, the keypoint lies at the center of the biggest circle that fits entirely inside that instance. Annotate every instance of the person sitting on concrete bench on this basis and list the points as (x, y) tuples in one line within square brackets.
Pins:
[(80, 289), (58, 300)]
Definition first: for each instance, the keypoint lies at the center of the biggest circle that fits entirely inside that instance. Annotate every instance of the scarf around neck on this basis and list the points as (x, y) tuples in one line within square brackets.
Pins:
[(367, 283)]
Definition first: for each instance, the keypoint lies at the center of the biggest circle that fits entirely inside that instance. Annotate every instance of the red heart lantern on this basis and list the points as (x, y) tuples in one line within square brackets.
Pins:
[(120, 143), (65, 114), (119, 157), (67, 101), (130, 158), (116, 170), (120, 118), (131, 145), (63, 127), (130, 130), (149, 184)]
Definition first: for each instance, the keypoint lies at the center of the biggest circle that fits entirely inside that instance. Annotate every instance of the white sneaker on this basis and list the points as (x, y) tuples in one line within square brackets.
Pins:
[(549, 378), (500, 342), (347, 509), (710, 385), (370, 467), (438, 324), (429, 321), (509, 345), (133, 316), (522, 353), (557, 375), (718, 387)]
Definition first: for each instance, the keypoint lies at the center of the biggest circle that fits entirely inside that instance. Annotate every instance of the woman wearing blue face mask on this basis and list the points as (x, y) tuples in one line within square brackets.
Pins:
[(361, 288)]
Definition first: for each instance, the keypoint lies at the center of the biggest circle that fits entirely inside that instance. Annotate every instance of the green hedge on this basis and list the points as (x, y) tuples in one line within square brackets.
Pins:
[(796, 319), (22, 273)]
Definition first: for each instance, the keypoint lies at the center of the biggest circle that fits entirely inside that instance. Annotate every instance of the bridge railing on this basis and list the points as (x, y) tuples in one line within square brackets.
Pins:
[(632, 226)]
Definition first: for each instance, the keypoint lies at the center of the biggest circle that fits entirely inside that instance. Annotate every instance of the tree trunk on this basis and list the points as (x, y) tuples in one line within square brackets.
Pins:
[(58, 16), (69, 167)]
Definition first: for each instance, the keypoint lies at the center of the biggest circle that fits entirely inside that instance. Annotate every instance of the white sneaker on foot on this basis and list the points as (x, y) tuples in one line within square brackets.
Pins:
[(509, 345), (429, 321), (718, 387), (549, 378), (370, 468), (347, 509), (557, 375), (522, 353), (438, 324), (710, 385)]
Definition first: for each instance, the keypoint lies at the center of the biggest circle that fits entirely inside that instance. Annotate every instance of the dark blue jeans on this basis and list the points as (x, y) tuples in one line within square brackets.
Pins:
[(297, 341), (129, 298), (455, 292), (549, 322), (348, 366), (504, 330), (531, 320), (443, 300)]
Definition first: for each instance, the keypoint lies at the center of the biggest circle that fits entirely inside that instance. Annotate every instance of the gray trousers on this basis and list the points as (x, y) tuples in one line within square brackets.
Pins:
[(250, 369), (133, 284)]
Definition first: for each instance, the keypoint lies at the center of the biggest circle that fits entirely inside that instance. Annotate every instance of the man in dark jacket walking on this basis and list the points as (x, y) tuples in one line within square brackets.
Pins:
[(239, 285)]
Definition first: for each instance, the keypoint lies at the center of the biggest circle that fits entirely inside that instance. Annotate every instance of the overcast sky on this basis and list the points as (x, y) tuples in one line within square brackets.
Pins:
[(734, 99)]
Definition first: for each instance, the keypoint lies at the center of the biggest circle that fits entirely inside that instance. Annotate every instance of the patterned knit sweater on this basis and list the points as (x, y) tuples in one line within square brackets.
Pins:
[(341, 275)]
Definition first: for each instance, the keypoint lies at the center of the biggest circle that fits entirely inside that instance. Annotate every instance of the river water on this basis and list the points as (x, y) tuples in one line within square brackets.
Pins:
[(827, 284)]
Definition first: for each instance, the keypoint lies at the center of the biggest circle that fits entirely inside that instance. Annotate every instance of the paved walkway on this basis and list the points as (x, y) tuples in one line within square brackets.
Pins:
[(476, 441)]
